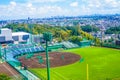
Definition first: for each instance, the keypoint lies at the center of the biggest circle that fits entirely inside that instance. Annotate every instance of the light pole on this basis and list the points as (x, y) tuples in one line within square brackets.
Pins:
[(47, 37), (30, 32), (30, 26)]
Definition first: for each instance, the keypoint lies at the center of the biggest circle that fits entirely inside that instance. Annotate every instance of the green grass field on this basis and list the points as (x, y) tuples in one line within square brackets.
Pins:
[(103, 64)]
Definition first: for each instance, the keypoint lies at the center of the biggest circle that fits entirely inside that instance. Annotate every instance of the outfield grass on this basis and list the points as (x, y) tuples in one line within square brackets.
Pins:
[(103, 64)]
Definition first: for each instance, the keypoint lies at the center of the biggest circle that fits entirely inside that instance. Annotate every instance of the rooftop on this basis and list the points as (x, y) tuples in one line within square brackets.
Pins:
[(5, 29), (19, 33)]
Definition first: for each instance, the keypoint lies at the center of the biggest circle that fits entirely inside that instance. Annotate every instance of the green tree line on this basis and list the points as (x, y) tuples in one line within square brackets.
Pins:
[(72, 33), (113, 30)]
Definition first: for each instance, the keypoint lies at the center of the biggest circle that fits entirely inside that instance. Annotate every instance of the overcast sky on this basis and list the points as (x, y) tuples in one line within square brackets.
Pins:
[(17, 9)]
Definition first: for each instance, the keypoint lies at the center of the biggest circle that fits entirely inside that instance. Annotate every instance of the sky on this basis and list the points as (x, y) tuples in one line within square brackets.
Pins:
[(22, 9)]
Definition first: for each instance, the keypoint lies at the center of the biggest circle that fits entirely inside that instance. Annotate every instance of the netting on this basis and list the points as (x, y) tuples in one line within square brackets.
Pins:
[(56, 46), (84, 43)]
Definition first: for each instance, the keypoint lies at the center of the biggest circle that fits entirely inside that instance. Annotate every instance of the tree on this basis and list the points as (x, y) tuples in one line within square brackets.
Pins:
[(59, 39), (4, 77), (89, 28), (75, 30), (64, 35), (59, 33), (97, 41), (75, 39), (113, 30)]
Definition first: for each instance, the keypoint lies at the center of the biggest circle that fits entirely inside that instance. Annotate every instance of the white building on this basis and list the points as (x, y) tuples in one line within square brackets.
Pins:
[(20, 36), (6, 36)]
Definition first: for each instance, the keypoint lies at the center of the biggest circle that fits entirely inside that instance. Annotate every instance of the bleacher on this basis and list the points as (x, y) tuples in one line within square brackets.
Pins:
[(14, 50), (19, 49), (21, 46), (68, 44)]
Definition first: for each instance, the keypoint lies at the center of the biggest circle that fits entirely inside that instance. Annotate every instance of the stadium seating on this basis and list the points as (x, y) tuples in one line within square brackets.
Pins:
[(19, 49), (68, 44), (14, 50)]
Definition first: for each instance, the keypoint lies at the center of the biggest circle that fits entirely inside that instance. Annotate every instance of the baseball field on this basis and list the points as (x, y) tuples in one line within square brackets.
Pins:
[(94, 63)]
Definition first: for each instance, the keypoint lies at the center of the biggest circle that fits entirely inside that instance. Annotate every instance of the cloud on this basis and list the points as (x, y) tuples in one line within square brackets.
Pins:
[(94, 4), (103, 4), (112, 3), (29, 5), (29, 10), (15, 9), (44, 1), (12, 3), (74, 4)]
